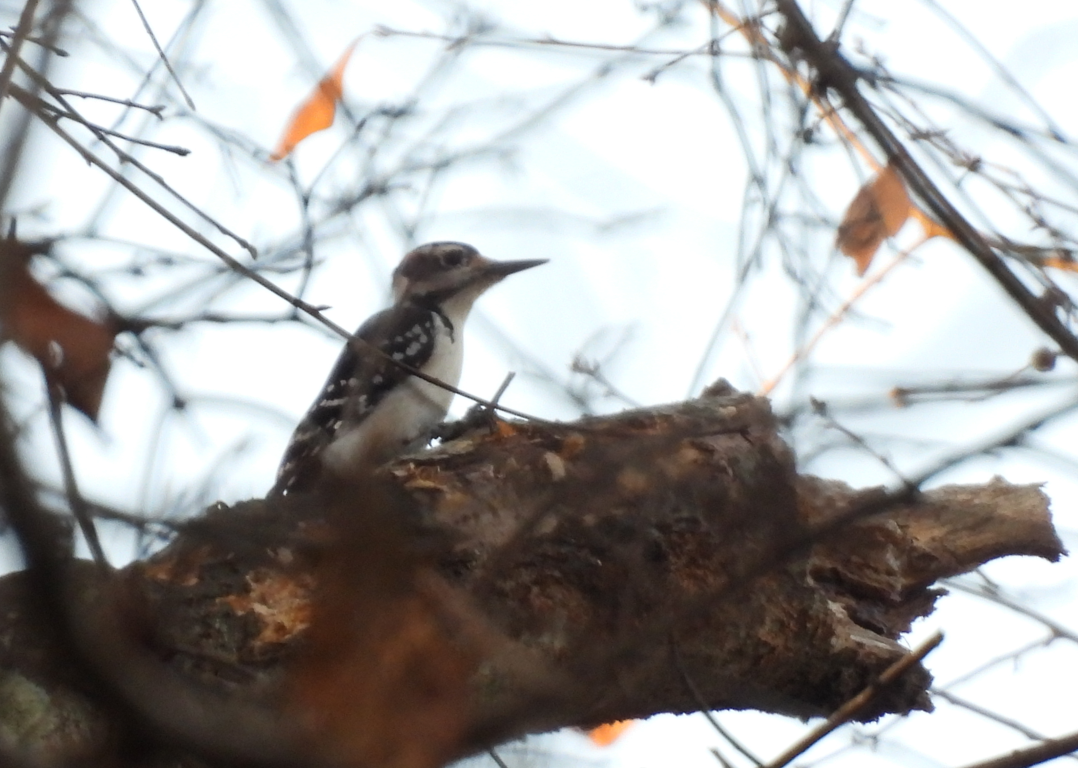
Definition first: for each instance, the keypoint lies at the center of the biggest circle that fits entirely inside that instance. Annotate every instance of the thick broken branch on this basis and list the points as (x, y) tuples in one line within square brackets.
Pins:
[(554, 575)]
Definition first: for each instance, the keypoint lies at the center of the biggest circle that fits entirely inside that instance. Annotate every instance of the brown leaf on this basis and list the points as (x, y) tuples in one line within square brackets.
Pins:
[(1067, 264), (317, 112), (931, 227), (878, 211), (73, 349)]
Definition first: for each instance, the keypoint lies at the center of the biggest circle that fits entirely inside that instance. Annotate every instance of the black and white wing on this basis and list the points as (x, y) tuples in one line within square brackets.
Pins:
[(359, 382)]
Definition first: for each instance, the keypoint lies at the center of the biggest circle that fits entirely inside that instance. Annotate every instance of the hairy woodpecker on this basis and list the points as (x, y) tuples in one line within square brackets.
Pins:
[(371, 408)]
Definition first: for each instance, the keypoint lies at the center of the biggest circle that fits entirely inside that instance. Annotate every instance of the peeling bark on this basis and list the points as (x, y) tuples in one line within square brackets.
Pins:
[(551, 575)]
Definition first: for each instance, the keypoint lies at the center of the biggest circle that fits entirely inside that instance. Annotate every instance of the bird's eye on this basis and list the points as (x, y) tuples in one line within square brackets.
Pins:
[(453, 258)]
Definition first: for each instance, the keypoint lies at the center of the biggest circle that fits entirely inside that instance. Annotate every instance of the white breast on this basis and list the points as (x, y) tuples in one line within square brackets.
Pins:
[(406, 414)]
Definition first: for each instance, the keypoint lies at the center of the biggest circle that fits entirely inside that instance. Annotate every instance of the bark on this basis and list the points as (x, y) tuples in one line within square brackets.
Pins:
[(533, 577)]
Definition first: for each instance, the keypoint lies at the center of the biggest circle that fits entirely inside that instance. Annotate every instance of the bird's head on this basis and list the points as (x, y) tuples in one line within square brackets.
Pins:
[(441, 271)]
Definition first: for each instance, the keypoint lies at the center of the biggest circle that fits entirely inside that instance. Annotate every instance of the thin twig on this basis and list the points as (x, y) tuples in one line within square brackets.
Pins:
[(138, 325), (458, 40), (855, 705), (38, 41), (594, 371), (1009, 438), (705, 710), (254, 276), (836, 33), (126, 157), (22, 31), (973, 391), (1000, 71), (78, 506), (998, 597), (27, 99), (820, 409), (710, 47), (1011, 656), (154, 110), (718, 756), (162, 528), (307, 228), (504, 386), (995, 717), (164, 58), (1023, 758), (834, 72), (838, 315)]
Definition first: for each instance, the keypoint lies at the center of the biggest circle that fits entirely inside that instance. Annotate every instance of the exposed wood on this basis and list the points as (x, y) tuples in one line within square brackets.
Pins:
[(549, 575)]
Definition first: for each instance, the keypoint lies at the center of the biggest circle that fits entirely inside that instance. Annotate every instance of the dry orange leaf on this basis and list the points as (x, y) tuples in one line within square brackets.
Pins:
[(1066, 264), (878, 211), (607, 733), (73, 349), (318, 111), (931, 227)]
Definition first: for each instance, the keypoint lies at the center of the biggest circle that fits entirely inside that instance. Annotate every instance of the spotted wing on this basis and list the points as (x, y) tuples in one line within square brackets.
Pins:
[(360, 379)]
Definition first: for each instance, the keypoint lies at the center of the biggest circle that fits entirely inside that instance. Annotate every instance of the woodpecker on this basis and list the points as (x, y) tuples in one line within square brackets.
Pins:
[(371, 408)]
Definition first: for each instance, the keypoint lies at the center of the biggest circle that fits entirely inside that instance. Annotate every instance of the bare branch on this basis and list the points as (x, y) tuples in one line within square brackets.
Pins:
[(852, 707)]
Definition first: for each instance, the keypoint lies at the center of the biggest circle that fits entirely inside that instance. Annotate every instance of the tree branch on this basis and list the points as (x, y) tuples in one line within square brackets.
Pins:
[(550, 575), (835, 72)]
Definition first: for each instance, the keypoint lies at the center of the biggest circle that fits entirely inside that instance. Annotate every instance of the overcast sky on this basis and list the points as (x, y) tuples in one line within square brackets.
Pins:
[(633, 189)]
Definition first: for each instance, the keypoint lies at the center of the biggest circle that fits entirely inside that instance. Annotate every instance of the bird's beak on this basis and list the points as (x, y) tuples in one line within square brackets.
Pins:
[(496, 270)]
